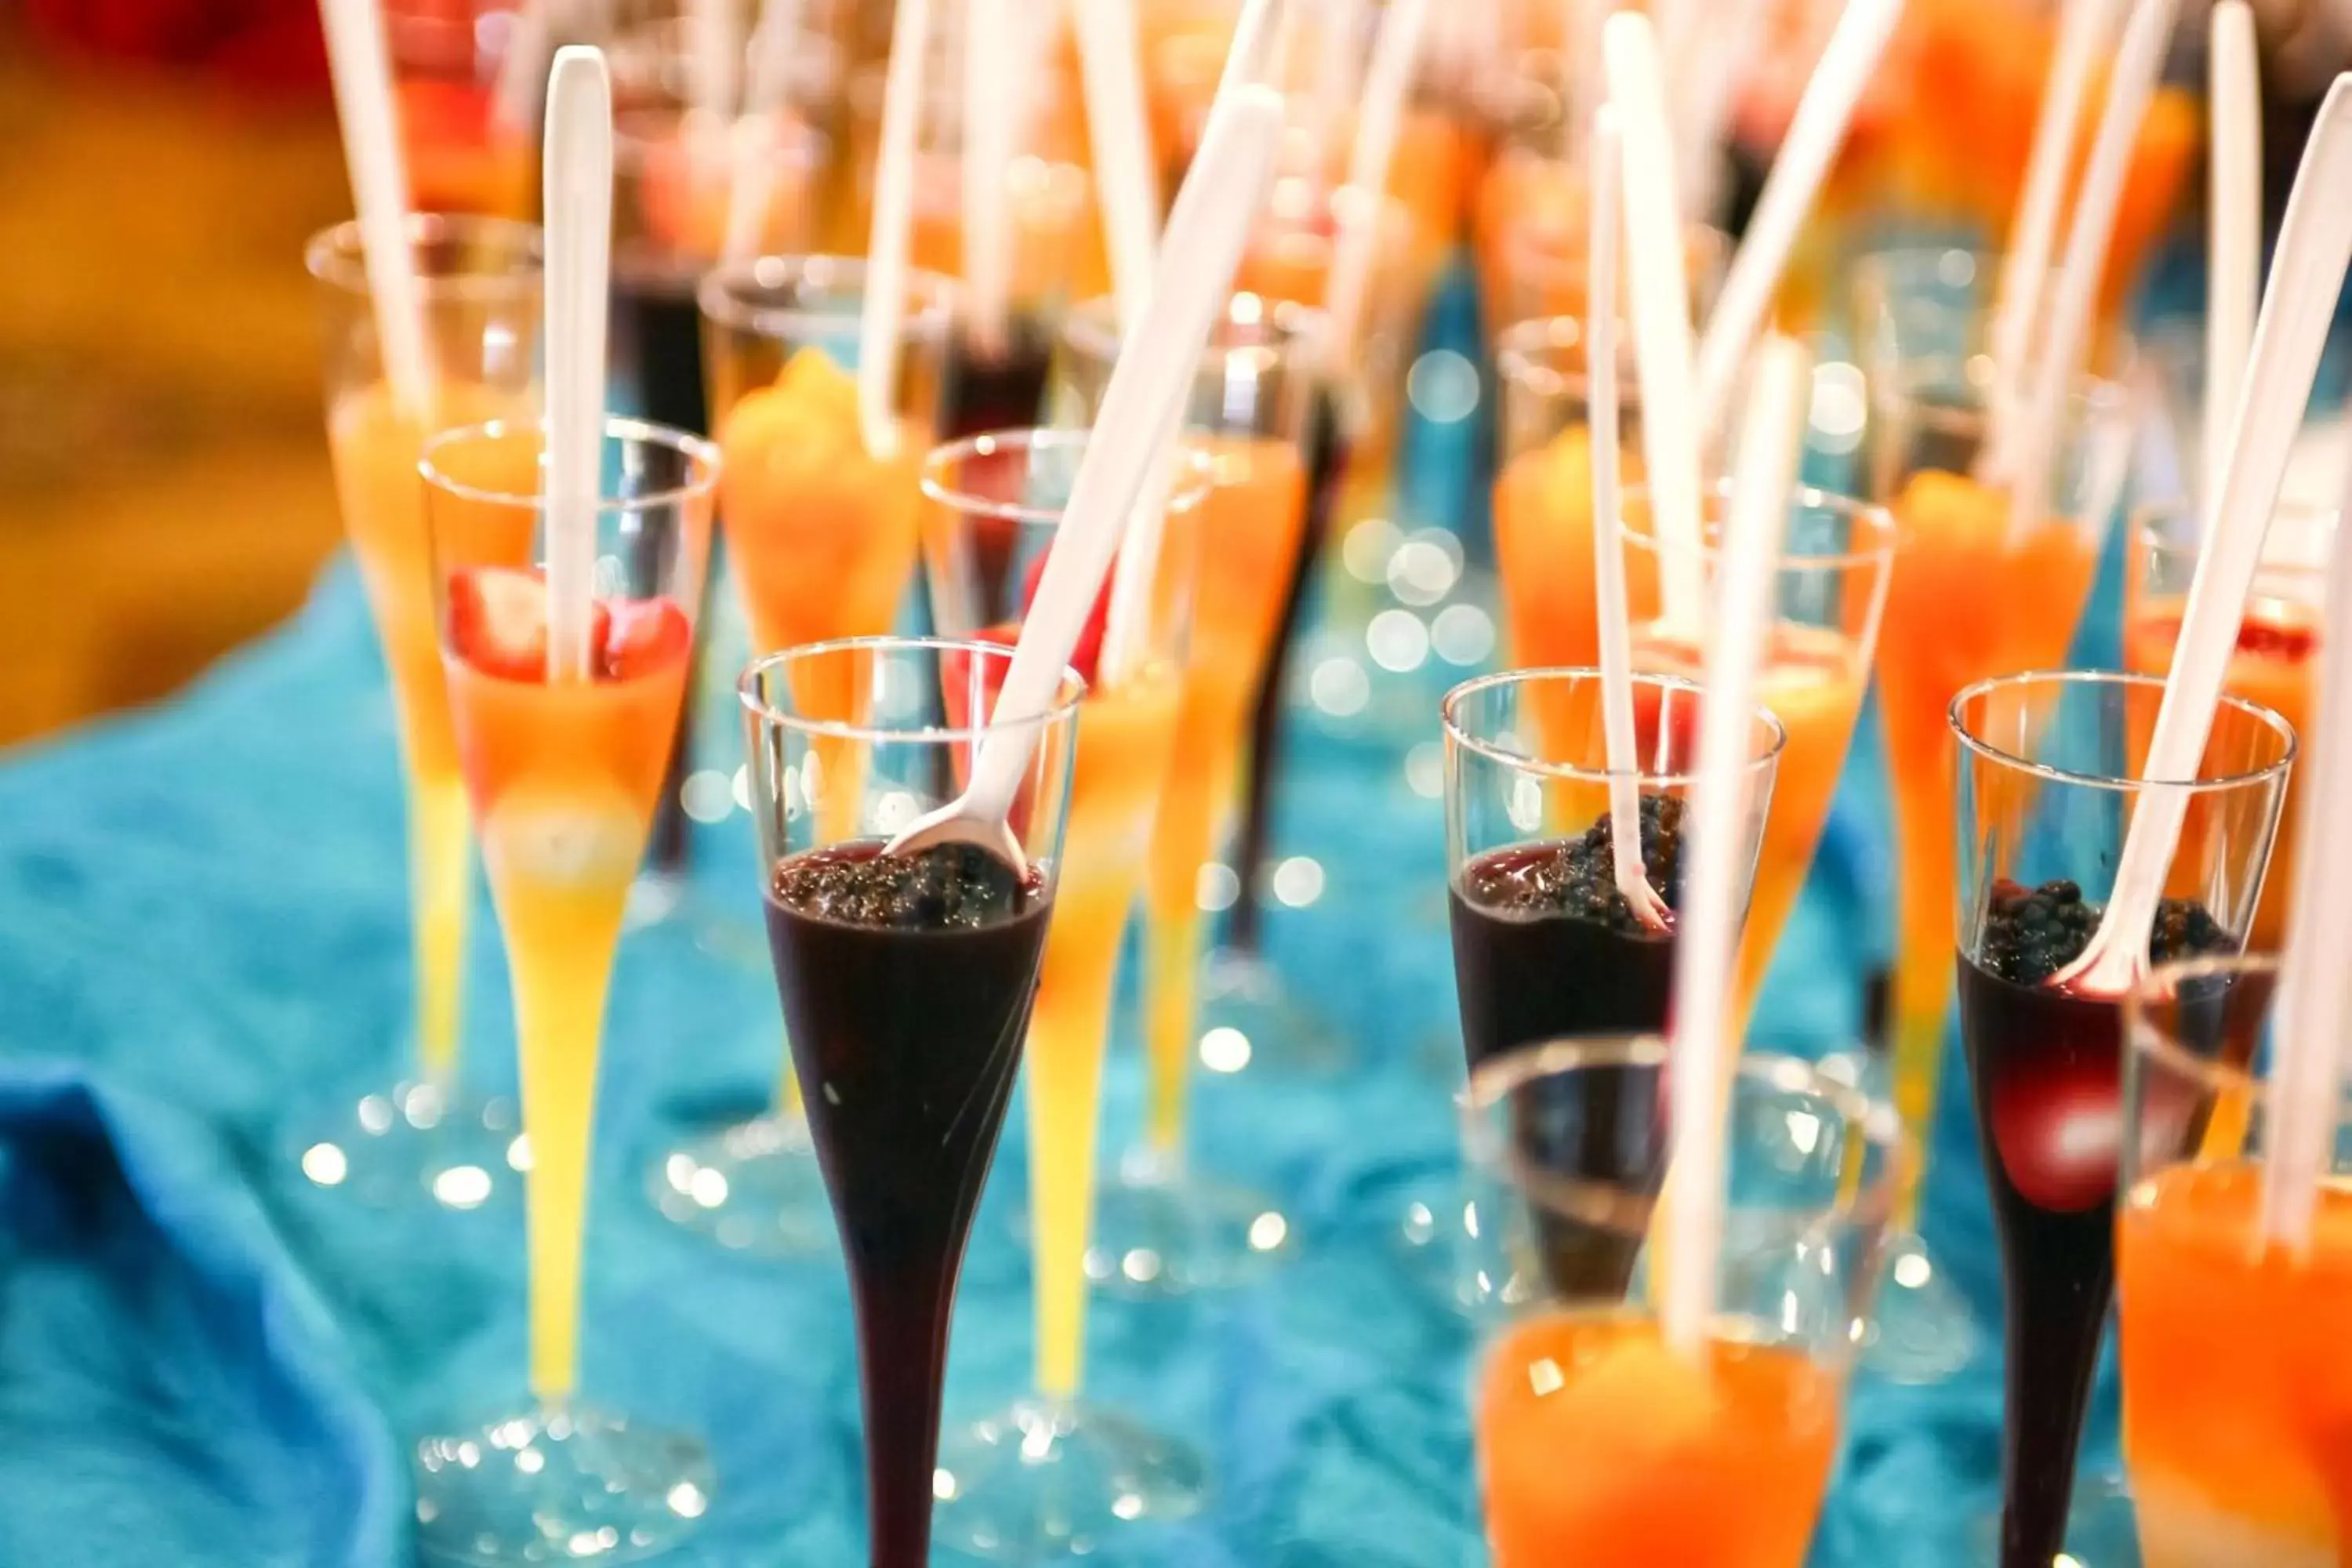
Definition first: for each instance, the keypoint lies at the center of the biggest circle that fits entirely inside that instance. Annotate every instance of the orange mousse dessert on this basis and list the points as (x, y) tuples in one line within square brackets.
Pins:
[(1600, 1447), (2237, 1393), (563, 777), (1969, 601), (460, 158)]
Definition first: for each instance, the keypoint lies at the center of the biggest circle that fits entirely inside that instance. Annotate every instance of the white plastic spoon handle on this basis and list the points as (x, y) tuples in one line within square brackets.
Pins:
[(1707, 934), (521, 68), (2234, 202), (1110, 70), (1258, 39), (2130, 86), (1212, 222), (2083, 27), (362, 75), (1815, 134), (1661, 325), (579, 201), (883, 310), (1386, 83), (757, 141), (1621, 745), (2304, 1093), (2315, 252)]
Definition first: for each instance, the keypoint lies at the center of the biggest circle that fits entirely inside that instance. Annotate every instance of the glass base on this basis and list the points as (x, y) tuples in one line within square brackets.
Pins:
[(559, 1485), (1249, 1020), (1164, 1231), (754, 1187), (458, 1149), (2102, 1530), (1047, 1480), (1920, 1330), (1429, 1235)]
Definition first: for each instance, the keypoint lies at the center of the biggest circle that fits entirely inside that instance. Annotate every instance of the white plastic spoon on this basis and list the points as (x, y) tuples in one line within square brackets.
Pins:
[(362, 75), (1622, 746), (2234, 205), (882, 317), (2315, 252), (578, 195), (1212, 222)]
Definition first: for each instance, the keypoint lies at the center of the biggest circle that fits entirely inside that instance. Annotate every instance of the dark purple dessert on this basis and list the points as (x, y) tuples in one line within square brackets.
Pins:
[(906, 981), (2046, 1068), (1546, 948)]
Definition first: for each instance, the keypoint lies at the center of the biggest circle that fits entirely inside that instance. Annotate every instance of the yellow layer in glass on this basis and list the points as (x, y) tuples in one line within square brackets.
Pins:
[(562, 780), (1250, 529), (375, 450), (1602, 1447), (1124, 740), (2237, 1392)]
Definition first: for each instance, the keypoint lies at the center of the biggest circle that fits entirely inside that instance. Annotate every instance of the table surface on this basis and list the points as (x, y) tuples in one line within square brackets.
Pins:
[(202, 1359)]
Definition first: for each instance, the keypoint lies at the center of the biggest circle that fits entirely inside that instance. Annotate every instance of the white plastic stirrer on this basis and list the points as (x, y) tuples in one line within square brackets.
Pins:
[(1339, 32), (362, 74), (714, 54), (1583, 87), (1815, 134), (578, 193), (2234, 211), (2132, 83), (882, 316), (1156, 366), (2083, 28), (1708, 932), (1378, 120), (757, 139), (2304, 1097), (1259, 41), (991, 64), (2315, 252), (1622, 746), (1110, 74), (1662, 326)]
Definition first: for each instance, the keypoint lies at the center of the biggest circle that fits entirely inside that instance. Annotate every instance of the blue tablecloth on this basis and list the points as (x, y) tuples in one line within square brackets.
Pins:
[(203, 928)]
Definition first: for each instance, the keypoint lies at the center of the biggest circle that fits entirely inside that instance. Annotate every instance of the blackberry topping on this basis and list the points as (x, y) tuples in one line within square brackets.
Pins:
[(945, 885), (1576, 877), (2032, 933)]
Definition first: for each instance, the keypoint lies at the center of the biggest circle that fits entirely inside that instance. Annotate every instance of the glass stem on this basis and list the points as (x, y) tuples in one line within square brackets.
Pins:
[(440, 866)]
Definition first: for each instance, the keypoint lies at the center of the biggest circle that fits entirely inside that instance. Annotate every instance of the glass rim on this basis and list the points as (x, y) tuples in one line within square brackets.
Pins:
[(1091, 328), (1880, 518), (2144, 1037), (931, 295), (1449, 712), (1065, 708), (2144, 531), (1495, 1080), (703, 476), (2268, 718), (337, 255), (2102, 397), (940, 459)]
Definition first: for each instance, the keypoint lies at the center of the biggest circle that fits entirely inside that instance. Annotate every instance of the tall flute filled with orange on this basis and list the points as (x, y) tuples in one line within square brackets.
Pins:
[(1050, 1474), (1600, 1443), (563, 762), (1249, 412), (479, 281)]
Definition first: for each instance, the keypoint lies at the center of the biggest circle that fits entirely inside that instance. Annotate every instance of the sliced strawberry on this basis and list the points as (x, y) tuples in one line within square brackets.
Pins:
[(641, 637), (2058, 1128), (497, 622), (1088, 654)]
